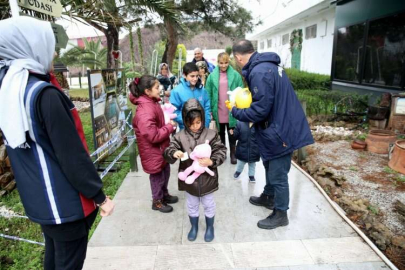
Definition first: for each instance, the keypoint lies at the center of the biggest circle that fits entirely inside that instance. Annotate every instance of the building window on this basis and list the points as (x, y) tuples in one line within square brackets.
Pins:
[(261, 45), (348, 52), (310, 32), (269, 43), (285, 39), (384, 58)]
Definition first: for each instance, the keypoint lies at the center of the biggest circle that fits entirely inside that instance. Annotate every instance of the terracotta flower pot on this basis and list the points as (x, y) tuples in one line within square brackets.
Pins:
[(378, 140), (358, 144), (397, 161)]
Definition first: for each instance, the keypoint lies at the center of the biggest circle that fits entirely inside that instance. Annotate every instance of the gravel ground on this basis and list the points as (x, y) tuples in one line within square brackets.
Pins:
[(81, 105), (366, 177), (4, 212)]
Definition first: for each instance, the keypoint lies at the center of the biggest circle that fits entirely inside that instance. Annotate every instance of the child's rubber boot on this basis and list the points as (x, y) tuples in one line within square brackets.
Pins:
[(209, 233), (192, 235)]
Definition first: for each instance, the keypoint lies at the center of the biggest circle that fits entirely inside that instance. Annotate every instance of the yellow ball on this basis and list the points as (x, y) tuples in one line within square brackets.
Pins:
[(243, 99)]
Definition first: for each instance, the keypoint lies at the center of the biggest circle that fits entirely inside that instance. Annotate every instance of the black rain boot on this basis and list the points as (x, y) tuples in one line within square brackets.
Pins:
[(263, 200), (277, 219), (192, 235), (209, 233), (233, 158)]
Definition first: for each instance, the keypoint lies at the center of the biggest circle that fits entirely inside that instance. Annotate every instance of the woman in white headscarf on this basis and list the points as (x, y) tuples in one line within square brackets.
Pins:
[(166, 79), (57, 181)]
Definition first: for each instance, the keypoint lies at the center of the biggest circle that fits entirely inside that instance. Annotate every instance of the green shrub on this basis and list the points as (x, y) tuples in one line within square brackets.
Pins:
[(324, 102), (306, 80)]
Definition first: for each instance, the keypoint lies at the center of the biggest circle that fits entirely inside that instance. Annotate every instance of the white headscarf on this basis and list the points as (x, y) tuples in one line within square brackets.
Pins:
[(169, 74), (26, 44)]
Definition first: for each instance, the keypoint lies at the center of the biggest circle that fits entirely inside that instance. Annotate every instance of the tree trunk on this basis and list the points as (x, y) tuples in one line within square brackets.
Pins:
[(171, 44), (112, 35), (131, 47)]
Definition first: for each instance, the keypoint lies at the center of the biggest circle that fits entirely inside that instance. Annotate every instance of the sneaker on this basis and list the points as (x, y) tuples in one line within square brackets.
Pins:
[(252, 179), (161, 206), (236, 175), (277, 219), (263, 200), (170, 199)]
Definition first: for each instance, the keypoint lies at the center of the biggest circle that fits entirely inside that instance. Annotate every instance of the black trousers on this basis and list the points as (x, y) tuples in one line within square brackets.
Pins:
[(231, 138), (66, 244)]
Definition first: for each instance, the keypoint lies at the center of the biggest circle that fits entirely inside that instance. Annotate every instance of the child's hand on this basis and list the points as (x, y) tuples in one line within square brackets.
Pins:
[(178, 154), (205, 162), (231, 131), (174, 124)]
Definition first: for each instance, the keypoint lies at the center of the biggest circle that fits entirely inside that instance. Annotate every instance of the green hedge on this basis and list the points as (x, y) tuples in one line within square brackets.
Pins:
[(306, 80), (324, 101)]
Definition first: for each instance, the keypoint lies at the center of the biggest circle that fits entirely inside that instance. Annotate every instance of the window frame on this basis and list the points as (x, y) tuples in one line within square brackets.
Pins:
[(269, 43), (311, 27), (363, 56), (287, 39)]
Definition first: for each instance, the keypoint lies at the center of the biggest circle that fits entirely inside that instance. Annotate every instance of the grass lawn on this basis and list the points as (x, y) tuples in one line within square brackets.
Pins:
[(19, 255), (82, 92)]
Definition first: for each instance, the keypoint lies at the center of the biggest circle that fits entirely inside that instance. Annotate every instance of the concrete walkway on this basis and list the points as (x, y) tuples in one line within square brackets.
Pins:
[(136, 237)]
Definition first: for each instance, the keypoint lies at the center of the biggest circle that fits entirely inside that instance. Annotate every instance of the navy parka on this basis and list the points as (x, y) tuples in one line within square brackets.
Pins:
[(280, 122)]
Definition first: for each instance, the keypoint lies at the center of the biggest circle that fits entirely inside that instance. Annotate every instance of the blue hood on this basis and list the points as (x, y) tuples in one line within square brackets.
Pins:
[(258, 58)]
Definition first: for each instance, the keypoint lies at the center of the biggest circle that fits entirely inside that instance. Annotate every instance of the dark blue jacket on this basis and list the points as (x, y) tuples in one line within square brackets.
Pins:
[(280, 122), (55, 176), (246, 147)]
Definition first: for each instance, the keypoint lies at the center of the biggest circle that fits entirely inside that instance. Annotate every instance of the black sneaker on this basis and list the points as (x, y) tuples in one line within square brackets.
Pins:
[(161, 206), (236, 175), (277, 219), (170, 199), (263, 200), (252, 179)]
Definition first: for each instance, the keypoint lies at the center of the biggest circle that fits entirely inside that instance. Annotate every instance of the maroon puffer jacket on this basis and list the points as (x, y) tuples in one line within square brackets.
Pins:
[(152, 135)]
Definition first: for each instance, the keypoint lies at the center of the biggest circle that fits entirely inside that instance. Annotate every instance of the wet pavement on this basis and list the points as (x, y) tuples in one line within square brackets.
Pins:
[(136, 237)]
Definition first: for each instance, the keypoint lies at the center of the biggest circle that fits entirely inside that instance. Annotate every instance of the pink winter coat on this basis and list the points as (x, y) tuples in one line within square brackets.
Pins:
[(152, 135)]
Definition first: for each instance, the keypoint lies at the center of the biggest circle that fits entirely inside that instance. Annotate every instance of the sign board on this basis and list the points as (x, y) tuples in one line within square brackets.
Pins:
[(49, 7), (61, 38)]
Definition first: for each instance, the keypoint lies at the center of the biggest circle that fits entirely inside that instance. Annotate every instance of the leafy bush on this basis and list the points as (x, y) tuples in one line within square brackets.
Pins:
[(306, 80), (324, 102)]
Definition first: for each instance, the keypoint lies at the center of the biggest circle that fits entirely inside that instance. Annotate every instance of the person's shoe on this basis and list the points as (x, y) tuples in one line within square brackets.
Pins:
[(252, 179), (161, 206), (170, 199), (233, 158), (209, 233), (263, 200), (236, 175), (277, 219), (192, 235)]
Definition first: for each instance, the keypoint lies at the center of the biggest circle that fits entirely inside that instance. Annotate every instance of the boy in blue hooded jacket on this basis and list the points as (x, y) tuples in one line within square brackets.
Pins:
[(190, 87)]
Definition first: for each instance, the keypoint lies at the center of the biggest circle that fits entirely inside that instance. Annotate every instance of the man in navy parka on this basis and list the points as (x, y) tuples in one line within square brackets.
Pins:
[(280, 122)]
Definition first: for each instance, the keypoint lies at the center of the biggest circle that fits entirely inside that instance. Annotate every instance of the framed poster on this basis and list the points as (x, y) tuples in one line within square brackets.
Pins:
[(108, 102)]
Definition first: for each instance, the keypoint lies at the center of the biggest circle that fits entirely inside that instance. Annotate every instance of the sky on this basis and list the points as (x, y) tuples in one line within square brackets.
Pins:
[(77, 30)]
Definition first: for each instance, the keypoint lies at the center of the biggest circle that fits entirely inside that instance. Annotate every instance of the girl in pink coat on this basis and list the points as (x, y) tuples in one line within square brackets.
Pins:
[(153, 137)]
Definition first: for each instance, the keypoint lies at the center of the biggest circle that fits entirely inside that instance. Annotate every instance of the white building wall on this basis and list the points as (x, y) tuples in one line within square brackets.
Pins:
[(316, 54)]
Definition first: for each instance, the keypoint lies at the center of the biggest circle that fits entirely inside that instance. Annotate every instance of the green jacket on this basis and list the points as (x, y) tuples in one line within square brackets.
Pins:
[(212, 87)]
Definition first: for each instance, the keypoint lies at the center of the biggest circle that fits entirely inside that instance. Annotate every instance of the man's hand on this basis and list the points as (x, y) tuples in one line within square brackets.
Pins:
[(178, 154), (107, 208), (205, 162), (229, 105)]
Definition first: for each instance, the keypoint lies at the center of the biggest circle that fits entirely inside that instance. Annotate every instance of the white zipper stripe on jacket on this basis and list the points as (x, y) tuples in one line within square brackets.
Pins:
[(41, 156)]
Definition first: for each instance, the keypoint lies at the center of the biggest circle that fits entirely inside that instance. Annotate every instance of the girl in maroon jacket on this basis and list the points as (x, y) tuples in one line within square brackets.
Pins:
[(153, 137)]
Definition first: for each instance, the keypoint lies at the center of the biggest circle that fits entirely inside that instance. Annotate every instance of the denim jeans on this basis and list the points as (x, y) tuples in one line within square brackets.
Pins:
[(277, 181), (241, 164)]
